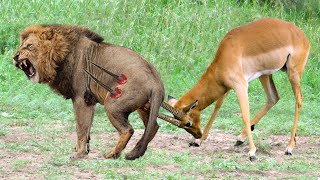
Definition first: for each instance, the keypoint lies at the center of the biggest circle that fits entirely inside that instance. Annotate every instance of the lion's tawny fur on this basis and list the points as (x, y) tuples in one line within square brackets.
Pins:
[(60, 52)]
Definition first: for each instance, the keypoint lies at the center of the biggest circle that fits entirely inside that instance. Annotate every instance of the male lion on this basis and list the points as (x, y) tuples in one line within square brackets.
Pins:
[(57, 54)]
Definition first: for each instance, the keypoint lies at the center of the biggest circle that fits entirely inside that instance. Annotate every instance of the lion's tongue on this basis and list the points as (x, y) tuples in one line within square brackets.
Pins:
[(31, 71)]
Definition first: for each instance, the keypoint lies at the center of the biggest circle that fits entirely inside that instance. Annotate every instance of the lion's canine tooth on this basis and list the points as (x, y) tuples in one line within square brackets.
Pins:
[(25, 63), (20, 65)]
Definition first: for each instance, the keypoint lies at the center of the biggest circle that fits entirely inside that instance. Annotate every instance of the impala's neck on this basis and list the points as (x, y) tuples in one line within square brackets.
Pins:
[(207, 90)]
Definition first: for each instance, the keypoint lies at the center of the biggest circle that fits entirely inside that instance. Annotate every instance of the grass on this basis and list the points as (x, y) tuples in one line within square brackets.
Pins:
[(180, 39)]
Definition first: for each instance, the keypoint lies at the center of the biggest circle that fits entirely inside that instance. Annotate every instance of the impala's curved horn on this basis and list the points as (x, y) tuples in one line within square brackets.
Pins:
[(171, 109), (170, 119), (122, 79)]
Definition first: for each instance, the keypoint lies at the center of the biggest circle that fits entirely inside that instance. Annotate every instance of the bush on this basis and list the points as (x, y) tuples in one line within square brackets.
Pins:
[(307, 9)]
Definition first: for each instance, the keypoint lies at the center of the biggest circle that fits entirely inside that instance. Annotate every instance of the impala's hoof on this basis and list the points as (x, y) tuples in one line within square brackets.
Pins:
[(288, 151), (238, 143), (194, 144), (252, 158)]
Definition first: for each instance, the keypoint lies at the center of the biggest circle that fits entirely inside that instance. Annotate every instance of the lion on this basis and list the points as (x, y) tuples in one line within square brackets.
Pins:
[(57, 54)]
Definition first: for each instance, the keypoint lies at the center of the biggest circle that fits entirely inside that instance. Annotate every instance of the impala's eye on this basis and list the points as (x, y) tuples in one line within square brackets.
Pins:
[(188, 124)]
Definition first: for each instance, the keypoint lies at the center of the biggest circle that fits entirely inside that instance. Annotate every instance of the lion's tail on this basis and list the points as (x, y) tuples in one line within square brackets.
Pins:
[(156, 100)]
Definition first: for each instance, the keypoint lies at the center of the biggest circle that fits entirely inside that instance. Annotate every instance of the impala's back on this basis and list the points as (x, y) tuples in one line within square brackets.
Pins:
[(261, 47), (255, 50)]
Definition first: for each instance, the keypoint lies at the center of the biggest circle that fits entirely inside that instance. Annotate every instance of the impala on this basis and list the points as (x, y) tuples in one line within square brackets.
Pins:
[(255, 50)]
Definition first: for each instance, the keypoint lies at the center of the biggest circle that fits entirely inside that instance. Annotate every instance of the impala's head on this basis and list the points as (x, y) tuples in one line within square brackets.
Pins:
[(188, 115)]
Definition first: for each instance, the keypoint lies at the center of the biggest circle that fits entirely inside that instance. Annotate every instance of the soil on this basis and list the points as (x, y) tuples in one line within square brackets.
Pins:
[(217, 143)]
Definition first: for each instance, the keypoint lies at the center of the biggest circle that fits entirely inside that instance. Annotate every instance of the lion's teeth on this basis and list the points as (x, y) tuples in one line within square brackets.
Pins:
[(25, 63), (20, 65)]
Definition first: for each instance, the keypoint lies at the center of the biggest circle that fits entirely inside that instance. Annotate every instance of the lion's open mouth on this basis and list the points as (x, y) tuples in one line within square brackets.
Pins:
[(26, 66)]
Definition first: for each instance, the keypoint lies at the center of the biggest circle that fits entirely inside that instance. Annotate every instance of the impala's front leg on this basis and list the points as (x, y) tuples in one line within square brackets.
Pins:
[(242, 94), (204, 136), (84, 116)]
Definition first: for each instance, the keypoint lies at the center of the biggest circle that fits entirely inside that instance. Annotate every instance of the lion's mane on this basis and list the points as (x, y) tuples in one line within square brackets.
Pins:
[(56, 44)]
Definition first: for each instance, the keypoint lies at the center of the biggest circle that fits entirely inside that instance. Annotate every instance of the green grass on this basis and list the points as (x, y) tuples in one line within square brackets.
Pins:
[(18, 165), (180, 39)]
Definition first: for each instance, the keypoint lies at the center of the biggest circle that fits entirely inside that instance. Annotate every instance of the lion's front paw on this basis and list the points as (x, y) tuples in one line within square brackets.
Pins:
[(87, 148), (76, 156), (111, 155)]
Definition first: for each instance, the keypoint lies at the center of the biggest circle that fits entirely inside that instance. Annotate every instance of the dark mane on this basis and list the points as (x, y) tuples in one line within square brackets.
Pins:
[(92, 35), (53, 63), (62, 82), (78, 29)]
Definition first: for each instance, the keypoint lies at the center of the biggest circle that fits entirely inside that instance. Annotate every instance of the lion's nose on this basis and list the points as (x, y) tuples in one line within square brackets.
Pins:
[(16, 57)]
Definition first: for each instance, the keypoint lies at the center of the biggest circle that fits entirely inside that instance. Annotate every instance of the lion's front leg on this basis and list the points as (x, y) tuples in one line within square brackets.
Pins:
[(84, 116)]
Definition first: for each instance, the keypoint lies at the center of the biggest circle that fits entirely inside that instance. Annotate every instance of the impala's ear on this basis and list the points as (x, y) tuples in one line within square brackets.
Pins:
[(191, 106), (172, 101)]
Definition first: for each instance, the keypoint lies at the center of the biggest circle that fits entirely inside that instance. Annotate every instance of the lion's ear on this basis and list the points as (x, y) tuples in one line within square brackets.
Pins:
[(24, 34), (47, 35), (23, 37)]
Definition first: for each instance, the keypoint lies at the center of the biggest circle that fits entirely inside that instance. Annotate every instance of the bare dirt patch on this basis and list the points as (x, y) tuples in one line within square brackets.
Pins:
[(171, 143), (16, 135)]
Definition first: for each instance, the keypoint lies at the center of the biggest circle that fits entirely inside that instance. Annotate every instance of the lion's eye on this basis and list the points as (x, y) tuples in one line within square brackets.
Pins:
[(29, 46)]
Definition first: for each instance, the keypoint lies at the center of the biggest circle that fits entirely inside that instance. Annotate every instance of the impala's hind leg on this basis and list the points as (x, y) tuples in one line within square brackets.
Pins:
[(272, 98), (120, 121), (295, 82), (295, 66), (138, 150)]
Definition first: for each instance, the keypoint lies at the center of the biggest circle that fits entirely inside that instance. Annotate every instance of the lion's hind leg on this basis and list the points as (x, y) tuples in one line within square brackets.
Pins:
[(120, 121), (149, 116), (139, 149)]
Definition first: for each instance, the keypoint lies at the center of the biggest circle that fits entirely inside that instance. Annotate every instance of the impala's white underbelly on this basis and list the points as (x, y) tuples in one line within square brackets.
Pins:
[(265, 63), (254, 76)]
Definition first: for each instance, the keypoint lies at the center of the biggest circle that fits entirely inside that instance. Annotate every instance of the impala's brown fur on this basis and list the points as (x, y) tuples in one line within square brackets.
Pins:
[(255, 50), (58, 55)]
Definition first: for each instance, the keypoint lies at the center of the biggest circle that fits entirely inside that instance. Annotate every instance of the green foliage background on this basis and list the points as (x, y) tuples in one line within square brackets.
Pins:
[(180, 39)]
